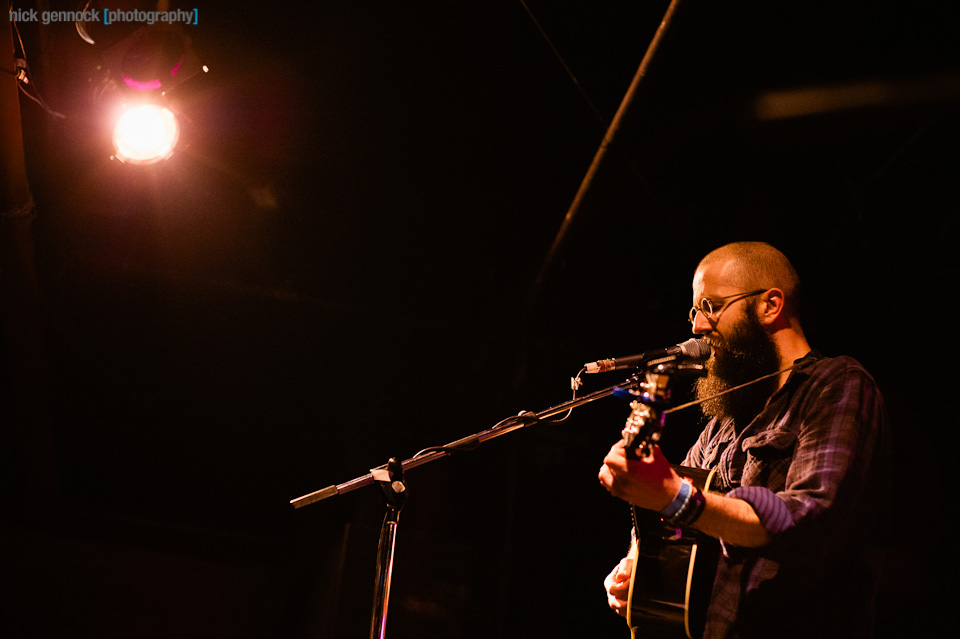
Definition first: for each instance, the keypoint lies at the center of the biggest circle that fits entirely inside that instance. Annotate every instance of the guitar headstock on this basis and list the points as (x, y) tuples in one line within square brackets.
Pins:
[(648, 397), (642, 430)]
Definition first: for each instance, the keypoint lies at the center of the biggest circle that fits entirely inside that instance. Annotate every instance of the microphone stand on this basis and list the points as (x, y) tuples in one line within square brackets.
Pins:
[(390, 477), (395, 491)]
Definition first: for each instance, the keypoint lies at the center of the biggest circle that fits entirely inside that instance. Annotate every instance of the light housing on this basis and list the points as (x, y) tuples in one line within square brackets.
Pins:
[(145, 133)]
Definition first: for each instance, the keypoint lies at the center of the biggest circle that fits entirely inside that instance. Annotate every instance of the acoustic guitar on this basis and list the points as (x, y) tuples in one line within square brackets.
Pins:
[(673, 569)]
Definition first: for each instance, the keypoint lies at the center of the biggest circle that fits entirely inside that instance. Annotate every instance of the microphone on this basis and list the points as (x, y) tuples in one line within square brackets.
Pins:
[(696, 350)]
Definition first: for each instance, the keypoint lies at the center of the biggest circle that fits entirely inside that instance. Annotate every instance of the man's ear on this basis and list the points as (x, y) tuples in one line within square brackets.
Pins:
[(770, 306)]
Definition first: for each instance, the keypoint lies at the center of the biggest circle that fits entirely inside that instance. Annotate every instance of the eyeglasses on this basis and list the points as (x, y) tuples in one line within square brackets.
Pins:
[(712, 307)]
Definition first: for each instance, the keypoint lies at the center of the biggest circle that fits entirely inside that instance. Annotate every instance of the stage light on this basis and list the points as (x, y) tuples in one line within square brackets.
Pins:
[(145, 134), (143, 65)]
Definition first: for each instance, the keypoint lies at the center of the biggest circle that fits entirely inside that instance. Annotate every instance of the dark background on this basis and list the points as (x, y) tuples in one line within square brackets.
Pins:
[(348, 258)]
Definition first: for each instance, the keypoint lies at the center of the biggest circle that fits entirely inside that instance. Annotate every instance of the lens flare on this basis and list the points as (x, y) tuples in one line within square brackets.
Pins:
[(145, 134)]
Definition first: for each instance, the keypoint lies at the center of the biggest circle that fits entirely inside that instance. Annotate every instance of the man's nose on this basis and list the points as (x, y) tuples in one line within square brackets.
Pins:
[(701, 325)]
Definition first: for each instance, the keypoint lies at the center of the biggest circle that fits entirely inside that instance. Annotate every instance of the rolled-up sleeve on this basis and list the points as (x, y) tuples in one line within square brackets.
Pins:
[(774, 515)]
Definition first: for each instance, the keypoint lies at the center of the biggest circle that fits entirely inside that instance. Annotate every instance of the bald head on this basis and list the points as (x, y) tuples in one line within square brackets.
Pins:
[(755, 265)]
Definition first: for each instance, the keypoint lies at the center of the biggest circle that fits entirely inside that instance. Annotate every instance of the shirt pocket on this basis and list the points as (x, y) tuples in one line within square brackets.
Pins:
[(768, 457)]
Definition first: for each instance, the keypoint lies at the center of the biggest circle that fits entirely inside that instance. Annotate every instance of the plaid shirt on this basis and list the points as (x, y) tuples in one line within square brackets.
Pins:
[(814, 464)]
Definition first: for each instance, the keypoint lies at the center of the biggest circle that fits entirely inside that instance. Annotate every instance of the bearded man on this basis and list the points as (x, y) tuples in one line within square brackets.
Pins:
[(801, 458)]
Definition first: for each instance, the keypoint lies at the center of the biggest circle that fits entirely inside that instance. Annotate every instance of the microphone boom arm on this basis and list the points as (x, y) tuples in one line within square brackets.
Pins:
[(470, 442)]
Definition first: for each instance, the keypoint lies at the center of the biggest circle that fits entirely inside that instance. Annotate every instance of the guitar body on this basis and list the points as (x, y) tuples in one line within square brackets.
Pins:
[(673, 573)]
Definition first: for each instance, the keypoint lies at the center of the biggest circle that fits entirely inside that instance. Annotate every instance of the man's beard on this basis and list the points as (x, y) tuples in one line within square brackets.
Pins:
[(746, 354)]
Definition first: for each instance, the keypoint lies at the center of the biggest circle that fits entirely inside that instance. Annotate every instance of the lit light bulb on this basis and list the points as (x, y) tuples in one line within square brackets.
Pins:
[(145, 134)]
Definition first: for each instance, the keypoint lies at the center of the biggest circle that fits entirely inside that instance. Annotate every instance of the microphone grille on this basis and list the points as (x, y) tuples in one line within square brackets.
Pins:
[(696, 349)]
